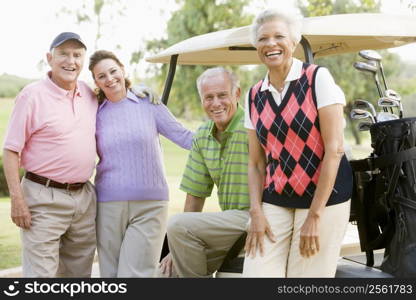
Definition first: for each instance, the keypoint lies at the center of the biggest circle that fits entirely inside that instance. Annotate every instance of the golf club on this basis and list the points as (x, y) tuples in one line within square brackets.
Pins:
[(391, 102), (359, 114), (386, 116), (374, 56), (363, 104), (364, 126), (393, 94), (367, 67)]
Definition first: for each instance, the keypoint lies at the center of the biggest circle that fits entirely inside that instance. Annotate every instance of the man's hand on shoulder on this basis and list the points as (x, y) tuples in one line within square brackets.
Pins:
[(143, 91)]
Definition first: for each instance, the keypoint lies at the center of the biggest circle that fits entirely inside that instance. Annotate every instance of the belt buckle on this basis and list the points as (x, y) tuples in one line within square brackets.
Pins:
[(72, 185)]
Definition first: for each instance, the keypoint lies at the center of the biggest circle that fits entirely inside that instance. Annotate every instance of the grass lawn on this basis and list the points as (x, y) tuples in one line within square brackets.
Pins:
[(175, 160), (9, 237)]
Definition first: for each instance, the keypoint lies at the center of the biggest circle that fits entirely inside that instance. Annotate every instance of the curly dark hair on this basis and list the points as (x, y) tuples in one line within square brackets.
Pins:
[(95, 59)]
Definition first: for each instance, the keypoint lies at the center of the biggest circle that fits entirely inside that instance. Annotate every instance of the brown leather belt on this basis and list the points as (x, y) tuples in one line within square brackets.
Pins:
[(50, 183)]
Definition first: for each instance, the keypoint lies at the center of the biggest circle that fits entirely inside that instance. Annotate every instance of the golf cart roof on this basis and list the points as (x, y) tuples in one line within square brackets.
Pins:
[(326, 35)]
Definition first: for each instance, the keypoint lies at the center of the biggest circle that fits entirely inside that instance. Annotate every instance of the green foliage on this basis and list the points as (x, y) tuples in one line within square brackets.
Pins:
[(6, 107), (10, 246), (405, 84), (313, 8), (11, 85), (92, 12), (4, 191), (3, 184), (196, 17)]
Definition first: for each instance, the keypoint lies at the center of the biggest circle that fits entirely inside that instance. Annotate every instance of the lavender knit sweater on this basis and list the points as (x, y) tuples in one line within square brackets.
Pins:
[(130, 165)]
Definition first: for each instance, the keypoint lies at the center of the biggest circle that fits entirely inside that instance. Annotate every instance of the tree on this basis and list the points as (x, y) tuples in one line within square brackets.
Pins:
[(93, 12), (195, 17)]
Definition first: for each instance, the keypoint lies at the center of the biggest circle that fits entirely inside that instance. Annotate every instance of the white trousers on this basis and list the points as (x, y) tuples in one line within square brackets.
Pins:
[(283, 259), (130, 237)]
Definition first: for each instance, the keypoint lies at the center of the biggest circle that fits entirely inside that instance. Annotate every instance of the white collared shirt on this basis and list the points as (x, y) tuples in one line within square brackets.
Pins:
[(326, 90)]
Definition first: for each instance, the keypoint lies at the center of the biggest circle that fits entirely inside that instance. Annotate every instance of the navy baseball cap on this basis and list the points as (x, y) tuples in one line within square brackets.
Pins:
[(66, 36)]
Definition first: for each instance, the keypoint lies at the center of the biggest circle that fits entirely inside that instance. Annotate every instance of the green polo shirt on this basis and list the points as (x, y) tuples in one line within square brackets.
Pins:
[(223, 164)]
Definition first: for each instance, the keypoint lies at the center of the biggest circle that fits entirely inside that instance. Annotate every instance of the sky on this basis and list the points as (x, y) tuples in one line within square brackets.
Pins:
[(27, 33)]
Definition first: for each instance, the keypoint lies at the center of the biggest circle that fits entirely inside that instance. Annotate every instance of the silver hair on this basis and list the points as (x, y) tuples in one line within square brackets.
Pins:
[(235, 82), (293, 22)]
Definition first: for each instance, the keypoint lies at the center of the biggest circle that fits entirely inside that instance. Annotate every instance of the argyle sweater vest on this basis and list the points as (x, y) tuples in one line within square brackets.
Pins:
[(290, 136)]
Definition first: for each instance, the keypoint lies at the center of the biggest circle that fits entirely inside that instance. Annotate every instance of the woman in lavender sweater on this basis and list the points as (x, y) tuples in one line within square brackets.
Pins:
[(131, 186)]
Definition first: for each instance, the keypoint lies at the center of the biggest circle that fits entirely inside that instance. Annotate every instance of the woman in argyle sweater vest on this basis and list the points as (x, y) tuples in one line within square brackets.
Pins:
[(299, 178)]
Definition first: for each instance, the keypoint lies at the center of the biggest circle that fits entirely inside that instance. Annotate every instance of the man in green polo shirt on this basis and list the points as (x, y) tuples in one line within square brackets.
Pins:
[(198, 242)]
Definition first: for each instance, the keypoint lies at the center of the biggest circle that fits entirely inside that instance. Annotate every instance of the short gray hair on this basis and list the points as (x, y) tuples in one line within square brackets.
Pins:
[(293, 22), (235, 82)]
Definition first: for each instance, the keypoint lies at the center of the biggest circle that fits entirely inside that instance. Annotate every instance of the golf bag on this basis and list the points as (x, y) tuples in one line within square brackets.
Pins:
[(384, 197)]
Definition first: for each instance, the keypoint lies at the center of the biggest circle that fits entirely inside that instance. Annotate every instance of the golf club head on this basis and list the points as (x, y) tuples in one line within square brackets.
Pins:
[(392, 94), (388, 102), (375, 58), (366, 67), (386, 116), (359, 114), (393, 100), (364, 126), (370, 55), (370, 67), (364, 104)]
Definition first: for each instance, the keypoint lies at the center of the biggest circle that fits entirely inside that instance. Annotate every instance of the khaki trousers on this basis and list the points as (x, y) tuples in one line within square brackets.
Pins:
[(283, 259), (199, 242), (130, 237), (61, 240)]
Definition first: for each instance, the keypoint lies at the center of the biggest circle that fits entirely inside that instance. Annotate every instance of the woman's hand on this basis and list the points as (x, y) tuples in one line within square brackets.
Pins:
[(143, 91), (259, 226), (309, 236), (256, 178), (331, 125)]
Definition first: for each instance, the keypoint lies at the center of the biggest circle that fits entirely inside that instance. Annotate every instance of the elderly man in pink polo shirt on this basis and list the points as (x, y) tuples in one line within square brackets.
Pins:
[(52, 133)]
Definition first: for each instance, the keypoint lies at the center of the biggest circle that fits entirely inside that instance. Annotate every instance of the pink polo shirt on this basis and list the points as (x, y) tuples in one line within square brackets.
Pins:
[(54, 134)]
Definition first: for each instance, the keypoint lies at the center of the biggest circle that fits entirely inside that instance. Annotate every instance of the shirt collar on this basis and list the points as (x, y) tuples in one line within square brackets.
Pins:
[(295, 73), (130, 96), (233, 123), (58, 90)]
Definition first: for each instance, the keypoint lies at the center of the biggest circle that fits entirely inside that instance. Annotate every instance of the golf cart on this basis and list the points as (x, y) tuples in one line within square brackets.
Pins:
[(321, 36)]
